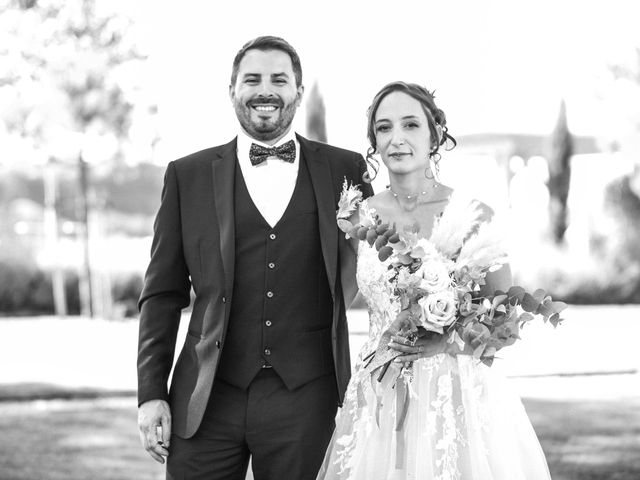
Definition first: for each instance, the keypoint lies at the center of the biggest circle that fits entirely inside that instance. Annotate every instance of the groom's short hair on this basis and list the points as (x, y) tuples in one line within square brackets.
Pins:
[(266, 43)]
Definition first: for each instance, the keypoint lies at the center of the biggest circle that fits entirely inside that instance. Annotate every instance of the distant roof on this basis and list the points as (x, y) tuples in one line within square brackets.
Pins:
[(522, 144)]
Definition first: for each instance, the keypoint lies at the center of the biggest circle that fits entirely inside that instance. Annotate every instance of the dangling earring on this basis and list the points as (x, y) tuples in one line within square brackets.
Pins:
[(433, 167), (428, 170)]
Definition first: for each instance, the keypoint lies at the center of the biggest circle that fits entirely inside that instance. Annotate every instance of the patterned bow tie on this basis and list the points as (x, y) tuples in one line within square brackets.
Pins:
[(286, 152)]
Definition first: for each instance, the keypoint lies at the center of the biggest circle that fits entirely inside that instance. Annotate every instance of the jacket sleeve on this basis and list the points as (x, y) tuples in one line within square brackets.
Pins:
[(165, 293)]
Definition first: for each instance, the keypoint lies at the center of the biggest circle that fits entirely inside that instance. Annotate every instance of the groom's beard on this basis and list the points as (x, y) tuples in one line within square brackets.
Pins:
[(265, 127)]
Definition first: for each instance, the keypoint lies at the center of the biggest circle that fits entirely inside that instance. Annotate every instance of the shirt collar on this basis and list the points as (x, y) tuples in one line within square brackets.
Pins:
[(244, 144)]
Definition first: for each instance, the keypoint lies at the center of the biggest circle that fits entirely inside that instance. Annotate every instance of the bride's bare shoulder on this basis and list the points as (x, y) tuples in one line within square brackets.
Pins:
[(380, 202)]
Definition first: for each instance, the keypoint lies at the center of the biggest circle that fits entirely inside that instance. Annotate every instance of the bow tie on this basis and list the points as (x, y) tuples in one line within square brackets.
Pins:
[(286, 152)]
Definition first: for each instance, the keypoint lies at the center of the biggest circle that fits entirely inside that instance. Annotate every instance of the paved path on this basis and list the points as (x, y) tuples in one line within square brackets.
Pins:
[(81, 353)]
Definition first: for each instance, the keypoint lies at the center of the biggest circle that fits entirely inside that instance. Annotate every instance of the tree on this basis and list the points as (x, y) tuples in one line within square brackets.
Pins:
[(73, 67), (316, 121), (559, 175), (69, 87)]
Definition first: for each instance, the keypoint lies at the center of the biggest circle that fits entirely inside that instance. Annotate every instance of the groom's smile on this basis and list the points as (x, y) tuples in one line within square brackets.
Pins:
[(265, 95), (265, 107)]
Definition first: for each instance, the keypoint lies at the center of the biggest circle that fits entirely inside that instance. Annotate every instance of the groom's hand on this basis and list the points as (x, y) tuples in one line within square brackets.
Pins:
[(154, 423)]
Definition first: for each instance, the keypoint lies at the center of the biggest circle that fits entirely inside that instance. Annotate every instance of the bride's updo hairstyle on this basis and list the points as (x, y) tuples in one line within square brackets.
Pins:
[(436, 118)]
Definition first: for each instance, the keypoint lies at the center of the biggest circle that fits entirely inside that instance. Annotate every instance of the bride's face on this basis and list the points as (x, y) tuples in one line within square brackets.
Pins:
[(402, 134)]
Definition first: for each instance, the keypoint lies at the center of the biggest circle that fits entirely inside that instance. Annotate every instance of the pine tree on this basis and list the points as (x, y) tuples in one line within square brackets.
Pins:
[(559, 175), (316, 116)]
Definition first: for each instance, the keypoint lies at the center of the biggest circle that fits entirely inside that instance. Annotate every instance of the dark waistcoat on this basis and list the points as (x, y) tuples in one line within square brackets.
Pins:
[(282, 308)]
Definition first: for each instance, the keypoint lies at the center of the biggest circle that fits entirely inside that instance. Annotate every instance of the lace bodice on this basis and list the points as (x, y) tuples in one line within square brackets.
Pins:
[(373, 281)]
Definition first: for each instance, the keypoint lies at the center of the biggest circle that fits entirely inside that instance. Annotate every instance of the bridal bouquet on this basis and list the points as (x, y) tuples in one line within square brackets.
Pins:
[(438, 282)]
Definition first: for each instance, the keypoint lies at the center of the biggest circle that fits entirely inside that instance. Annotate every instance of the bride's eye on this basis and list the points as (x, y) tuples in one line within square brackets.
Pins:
[(383, 128), (412, 125)]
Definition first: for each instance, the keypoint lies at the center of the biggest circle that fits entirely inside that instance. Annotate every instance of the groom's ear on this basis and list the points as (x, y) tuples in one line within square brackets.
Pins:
[(299, 95), (232, 93)]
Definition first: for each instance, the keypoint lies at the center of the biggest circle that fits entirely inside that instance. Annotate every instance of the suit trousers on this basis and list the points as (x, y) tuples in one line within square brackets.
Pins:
[(284, 432)]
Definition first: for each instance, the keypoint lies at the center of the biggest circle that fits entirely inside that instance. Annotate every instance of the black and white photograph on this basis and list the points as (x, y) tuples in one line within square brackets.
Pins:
[(319, 240)]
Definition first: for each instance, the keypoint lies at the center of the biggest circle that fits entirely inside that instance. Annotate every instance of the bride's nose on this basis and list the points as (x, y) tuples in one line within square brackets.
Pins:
[(397, 138)]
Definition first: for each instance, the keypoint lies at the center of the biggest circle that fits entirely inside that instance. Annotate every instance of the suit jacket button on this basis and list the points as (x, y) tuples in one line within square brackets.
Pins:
[(218, 343), (267, 351), (224, 299)]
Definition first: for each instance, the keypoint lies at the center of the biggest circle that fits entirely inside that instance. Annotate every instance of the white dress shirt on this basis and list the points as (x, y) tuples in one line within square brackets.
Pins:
[(271, 183)]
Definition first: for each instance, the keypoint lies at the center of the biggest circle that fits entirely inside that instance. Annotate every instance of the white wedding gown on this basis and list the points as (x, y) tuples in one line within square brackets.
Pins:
[(462, 420)]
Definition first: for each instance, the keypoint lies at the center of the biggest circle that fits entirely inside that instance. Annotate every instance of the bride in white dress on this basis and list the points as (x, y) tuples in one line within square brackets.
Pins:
[(462, 421)]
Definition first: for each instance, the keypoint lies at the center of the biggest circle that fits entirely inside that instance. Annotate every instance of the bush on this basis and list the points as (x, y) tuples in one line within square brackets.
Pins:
[(126, 291), (27, 290)]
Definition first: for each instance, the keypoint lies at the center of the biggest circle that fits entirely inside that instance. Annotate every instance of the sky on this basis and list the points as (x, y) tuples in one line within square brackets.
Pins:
[(496, 65)]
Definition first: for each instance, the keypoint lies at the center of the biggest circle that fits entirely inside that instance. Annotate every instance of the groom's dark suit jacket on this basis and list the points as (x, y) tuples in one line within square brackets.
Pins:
[(194, 245)]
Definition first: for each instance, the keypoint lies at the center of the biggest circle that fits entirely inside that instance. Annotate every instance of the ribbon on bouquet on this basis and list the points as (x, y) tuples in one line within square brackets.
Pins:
[(377, 364), (402, 406)]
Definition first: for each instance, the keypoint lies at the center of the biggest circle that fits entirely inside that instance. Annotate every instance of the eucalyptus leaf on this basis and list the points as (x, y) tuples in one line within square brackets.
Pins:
[(405, 259), (539, 294), (498, 299), (529, 303), (516, 292), (545, 310), (558, 306), (525, 317), (490, 351), (488, 361)]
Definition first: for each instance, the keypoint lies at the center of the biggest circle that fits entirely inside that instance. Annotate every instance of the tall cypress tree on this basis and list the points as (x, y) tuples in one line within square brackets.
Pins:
[(559, 175), (316, 115)]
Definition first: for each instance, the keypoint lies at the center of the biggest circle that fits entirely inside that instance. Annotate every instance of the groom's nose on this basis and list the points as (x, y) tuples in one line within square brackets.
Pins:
[(265, 89)]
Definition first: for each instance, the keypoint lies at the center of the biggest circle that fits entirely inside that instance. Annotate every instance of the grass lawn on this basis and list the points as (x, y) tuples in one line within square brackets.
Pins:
[(589, 440), (73, 440), (97, 440)]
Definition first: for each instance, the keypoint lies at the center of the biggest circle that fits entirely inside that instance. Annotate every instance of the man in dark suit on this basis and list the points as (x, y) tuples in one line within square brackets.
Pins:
[(251, 226)]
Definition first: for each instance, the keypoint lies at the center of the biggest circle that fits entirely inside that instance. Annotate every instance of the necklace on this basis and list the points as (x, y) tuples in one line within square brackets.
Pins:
[(412, 195), (416, 196)]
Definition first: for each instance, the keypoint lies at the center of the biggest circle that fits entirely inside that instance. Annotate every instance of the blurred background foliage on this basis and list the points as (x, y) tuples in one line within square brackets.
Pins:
[(74, 108), (80, 181)]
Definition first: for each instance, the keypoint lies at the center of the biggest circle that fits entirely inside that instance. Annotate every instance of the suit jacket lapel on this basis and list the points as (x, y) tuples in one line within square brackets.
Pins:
[(320, 174), (223, 169)]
